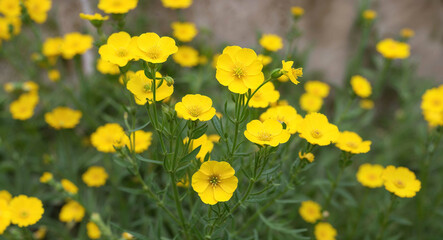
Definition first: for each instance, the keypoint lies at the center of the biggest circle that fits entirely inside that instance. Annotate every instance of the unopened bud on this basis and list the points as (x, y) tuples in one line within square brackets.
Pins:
[(276, 73), (169, 81)]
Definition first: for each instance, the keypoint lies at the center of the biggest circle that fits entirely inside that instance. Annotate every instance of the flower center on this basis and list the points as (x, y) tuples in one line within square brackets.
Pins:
[(436, 102), (194, 110), (239, 73), (153, 53), (214, 180), (121, 52), (264, 136), (116, 3), (24, 214), (316, 134), (372, 177), (399, 184), (147, 88), (352, 145)]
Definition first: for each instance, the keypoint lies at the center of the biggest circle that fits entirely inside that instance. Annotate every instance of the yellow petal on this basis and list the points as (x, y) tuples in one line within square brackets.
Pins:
[(220, 195), (120, 39), (208, 196), (237, 86), (229, 184), (200, 182)]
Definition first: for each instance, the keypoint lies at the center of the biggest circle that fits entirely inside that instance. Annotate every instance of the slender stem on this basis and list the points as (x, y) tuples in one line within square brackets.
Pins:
[(333, 188), (178, 204), (385, 221)]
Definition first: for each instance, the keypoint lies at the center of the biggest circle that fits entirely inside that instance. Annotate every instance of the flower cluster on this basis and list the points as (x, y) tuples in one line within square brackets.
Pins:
[(312, 100)]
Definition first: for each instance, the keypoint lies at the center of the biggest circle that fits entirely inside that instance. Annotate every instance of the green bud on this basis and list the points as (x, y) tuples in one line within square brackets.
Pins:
[(169, 81), (276, 73)]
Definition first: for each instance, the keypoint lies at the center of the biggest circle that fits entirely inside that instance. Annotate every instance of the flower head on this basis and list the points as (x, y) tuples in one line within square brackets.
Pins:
[(186, 56), (38, 9), (432, 106), (5, 24), (284, 114), (401, 181), (23, 107), (117, 6), (206, 146), (369, 14), (106, 67), (25, 211), (350, 142), (152, 48), (46, 177), (10, 8), (72, 211), (75, 43), (63, 117), (308, 156), (52, 47), (118, 49), (316, 129), (310, 102), (195, 107), (291, 73), (69, 186), (270, 132), (214, 182), (407, 33), (142, 140), (108, 137), (271, 42), (5, 215), (264, 96), (5, 195), (142, 88), (239, 69), (297, 11), (54, 75), (317, 88), (392, 49), (177, 4), (93, 231), (361, 86), (324, 231), (95, 176), (310, 211), (93, 17), (184, 31), (370, 175)]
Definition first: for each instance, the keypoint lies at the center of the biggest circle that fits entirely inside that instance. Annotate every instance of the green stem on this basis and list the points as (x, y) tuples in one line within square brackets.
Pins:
[(333, 188), (178, 204), (385, 221)]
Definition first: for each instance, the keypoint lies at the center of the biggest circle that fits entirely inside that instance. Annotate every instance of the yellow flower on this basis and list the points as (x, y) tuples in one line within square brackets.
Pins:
[(366, 104), (72, 211), (176, 4), (297, 11), (95, 176), (184, 182), (214, 182), (69, 186), (324, 231), (206, 146), (5, 216), (271, 42), (291, 73), (142, 140), (117, 6), (265, 60), (106, 67), (310, 211), (30, 86), (369, 14), (392, 49), (264, 96), (195, 107), (407, 33), (151, 48), (184, 31), (310, 102), (75, 43), (361, 86), (9, 87), (283, 78), (284, 114), (370, 175), (270, 132), (10, 8), (432, 106), (316, 129), (108, 137), (239, 69), (46, 177), (118, 49), (25, 210), (350, 142), (214, 138), (215, 60), (317, 88), (6, 23), (23, 107), (5, 195), (125, 77), (93, 230), (127, 236), (40, 233), (400, 181), (38, 9), (95, 17), (141, 87), (54, 75), (63, 117), (52, 46), (433, 118), (186, 56), (308, 156)]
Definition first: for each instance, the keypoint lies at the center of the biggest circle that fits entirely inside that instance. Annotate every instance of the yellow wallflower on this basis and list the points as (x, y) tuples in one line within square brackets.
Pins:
[(5, 215), (324, 231), (292, 73), (25, 211), (69, 186), (206, 146), (108, 136), (118, 49), (407, 33), (95, 176), (176, 4), (370, 175), (308, 156), (317, 88), (270, 132), (366, 104), (6, 23), (93, 231), (10, 8), (152, 48), (186, 56), (310, 211), (106, 67), (239, 69), (264, 96), (72, 211), (23, 107), (432, 106), (297, 11), (38, 9), (52, 46), (127, 236), (63, 117), (271, 42), (117, 6), (141, 87), (310, 102), (75, 43), (284, 114), (265, 60), (142, 140), (5, 195), (392, 49), (361, 86), (54, 75), (350, 142), (369, 14), (46, 177), (195, 107), (401, 181), (95, 17), (316, 129), (214, 182), (184, 31)]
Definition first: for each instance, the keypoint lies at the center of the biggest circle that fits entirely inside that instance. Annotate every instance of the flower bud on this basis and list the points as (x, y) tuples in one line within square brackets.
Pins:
[(276, 73)]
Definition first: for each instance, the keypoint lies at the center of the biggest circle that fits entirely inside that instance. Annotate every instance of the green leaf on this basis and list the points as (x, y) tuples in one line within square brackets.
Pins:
[(283, 228), (141, 127), (148, 160), (191, 155), (199, 131)]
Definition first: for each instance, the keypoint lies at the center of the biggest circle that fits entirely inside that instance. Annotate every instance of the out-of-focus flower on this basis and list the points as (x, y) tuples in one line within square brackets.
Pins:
[(271, 42), (366, 104), (93, 231), (184, 31), (401, 181), (361, 86), (46, 177), (141, 86), (265, 60), (72, 211), (310, 211), (186, 56), (392, 49), (206, 146), (10, 8), (23, 107), (69, 186), (310, 102), (108, 137), (407, 33), (264, 96), (177, 4), (106, 67), (52, 47), (324, 231), (38, 9), (297, 11), (63, 117), (370, 175), (142, 140), (432, 106), (369, 14), (117, 6), (316, 129), (95, 176), (317, 88), (25, 211), (75, 43), (351, 142), (54, 75)]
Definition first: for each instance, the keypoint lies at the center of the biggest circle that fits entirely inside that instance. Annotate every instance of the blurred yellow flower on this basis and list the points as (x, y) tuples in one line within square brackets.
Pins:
[(195, 107), (142, 140), (106, 67), (108, 137), (401, 181), (361, 86), (63, 117), (369, 14), (5, 27), (239, 69), (54, 75), (5, 216), (23, 107), (264, 96), (292, 73), (432, 106), (52, 46), (214, 138), (30, 86), (10, 8), (177, 4), (407, 33), (5, 195), (351, 142), (127, 236), (72, 211), (69, 186), (310, 211), (206, 146), (152, 48), (38, 9), (186, 56), (308, 156), (184, 31), (324, 231), (310, 102), (297, 11), (117, 6), (75, 43), (25, 211), (392, 49), (46, 177), (40, 233), (270, 132), (125, 77), (284, 114), (214, 182), (141, 86), (95, 176), (93, 231), (316, 129), (271, 42), (93, 17), (215, 60), (317, 88), (366, 104), (118, 49), (265, 60), (370, 175)]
